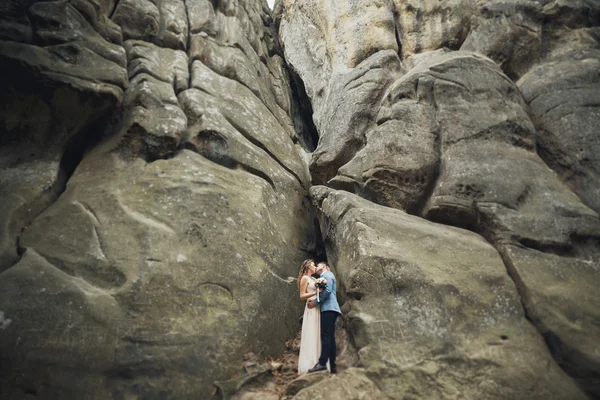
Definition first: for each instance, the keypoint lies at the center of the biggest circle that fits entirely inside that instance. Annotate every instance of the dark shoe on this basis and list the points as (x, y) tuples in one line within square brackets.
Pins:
[(318, 367), (333, 370)]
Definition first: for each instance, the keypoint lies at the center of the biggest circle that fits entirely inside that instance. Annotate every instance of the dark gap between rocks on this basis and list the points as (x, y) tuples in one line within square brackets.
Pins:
[(396, 26), (266, 376), (112, 12), (302, 113)]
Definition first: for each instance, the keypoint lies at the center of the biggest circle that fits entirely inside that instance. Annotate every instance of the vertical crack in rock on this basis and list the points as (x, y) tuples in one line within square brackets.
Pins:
[(396, 28), (514, 275), (320, 249), (302, 112), (162, 22), (187, 47), (112, 12)]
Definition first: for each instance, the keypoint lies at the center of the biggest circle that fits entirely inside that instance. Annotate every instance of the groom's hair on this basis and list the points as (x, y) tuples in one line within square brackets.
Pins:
[(326, 265)]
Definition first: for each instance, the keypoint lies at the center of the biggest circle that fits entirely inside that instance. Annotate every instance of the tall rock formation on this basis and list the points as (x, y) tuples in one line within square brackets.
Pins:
[(154, 197), (478, 115), (161, 182)]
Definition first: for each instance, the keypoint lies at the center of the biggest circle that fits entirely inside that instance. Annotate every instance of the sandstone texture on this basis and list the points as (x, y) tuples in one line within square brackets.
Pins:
[(165, 167), (485, 120), (155, 198), (431, 308)]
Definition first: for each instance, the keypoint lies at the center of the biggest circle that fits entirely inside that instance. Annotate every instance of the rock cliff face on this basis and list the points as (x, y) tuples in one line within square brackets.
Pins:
[(154, 197), (475, 115), (165, 166)]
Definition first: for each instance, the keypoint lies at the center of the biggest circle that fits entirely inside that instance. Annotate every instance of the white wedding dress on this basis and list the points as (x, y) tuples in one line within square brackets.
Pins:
[(310, 339)]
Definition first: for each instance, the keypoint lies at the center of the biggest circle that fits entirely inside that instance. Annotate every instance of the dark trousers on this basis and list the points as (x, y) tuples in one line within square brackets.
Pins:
[(328, 338)]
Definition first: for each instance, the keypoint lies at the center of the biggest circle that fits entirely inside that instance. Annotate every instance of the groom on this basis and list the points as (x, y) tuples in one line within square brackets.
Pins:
[(330, 310)]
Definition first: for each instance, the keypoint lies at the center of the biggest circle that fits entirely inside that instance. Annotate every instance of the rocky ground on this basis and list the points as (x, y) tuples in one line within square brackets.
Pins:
[(277, 377)]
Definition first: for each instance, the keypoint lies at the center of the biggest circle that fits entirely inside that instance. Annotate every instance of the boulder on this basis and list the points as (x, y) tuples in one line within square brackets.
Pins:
[(563, 93), (171, 246), (431, 308), (352, 384), (184, 249)]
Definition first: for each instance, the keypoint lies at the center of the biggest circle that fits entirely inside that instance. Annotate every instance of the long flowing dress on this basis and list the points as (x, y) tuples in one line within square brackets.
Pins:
[(310, 338)]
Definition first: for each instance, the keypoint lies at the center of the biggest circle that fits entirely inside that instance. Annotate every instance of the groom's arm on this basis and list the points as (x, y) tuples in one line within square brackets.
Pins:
[(327, 291)]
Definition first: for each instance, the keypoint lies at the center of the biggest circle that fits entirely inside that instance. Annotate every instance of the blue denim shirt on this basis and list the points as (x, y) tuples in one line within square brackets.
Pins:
[(328, 299)]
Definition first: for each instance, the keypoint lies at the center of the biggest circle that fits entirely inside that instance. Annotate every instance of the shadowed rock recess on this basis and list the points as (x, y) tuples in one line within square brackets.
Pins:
[(165, 167)]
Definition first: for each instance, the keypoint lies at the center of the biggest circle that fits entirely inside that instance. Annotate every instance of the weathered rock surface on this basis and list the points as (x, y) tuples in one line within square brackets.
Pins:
[(451, 137), (170, 250), (181, 247), (344, 78), (164, 23), (63, 74), (559, 296), (492, 182), (154, 122), (431, 308), (154, 180), (564, 95), (431, 25), (510, 33), (352, 384)]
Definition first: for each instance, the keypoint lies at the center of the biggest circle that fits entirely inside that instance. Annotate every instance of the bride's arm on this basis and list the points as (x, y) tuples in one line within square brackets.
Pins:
[(303, 285)]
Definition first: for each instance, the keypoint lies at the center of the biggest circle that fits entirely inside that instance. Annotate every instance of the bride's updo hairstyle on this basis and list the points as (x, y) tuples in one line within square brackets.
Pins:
[(304, 270)]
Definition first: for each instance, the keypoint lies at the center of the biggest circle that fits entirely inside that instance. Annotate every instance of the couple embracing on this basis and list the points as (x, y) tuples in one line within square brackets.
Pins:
[(317, 287)]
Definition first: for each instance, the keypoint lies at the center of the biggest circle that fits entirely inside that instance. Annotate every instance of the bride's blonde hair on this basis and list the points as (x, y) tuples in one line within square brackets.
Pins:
[(303, 269)]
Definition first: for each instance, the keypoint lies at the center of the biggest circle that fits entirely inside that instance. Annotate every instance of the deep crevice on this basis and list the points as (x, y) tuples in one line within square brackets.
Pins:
[(396, 16), (187, 48), (320, 251), (302, 113), (114, 9)]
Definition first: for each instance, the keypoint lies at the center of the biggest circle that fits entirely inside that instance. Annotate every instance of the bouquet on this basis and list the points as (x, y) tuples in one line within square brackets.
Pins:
[(321, 283)]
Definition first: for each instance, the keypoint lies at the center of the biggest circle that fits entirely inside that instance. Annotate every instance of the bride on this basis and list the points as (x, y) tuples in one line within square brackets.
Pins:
[(310, 339)]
